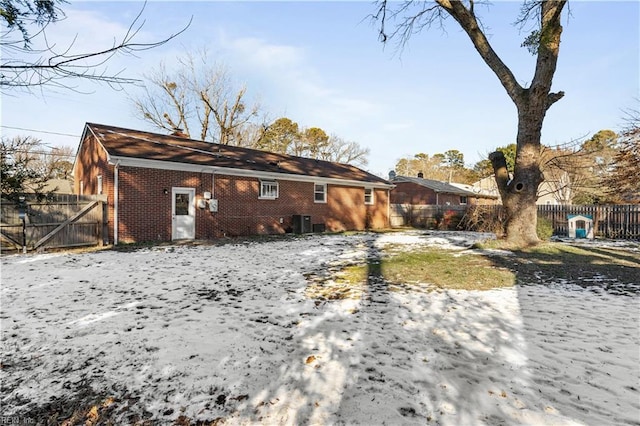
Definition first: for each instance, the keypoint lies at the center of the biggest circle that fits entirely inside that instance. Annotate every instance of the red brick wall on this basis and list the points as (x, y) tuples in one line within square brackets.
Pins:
[(91, 162), (346, 209), (378, 213), (412, 193), (240, 212), (144, 210)]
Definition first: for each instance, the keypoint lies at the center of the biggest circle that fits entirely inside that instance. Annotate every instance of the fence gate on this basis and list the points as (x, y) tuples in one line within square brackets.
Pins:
[(62, 221)]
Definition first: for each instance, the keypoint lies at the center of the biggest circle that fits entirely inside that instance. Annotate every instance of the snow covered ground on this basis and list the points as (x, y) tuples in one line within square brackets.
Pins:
[(231, 332)]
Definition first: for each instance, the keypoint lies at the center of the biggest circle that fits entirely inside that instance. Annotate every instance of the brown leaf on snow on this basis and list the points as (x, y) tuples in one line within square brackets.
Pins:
[(108, 402), (310, 359), (241, 397), (92, 416), (182, 421)]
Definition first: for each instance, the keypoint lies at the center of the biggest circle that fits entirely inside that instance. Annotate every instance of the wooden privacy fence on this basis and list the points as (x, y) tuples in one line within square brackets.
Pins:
[(426, 216), (609, 221), (61, 221)]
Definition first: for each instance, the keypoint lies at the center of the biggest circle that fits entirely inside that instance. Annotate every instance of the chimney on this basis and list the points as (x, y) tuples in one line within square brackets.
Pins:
[(179, 133), (420, 175)]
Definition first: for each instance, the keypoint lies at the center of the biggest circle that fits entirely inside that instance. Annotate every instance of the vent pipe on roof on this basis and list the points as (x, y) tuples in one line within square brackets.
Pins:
[(420, 175), (179, 133)]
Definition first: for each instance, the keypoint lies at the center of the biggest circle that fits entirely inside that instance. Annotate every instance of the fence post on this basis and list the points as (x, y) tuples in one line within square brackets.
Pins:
[(24, 235), (22, 214)]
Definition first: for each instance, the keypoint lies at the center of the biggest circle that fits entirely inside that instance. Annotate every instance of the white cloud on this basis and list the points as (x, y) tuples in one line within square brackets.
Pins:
[(267, 56), (86, 31), (396, 126), (295, 84)]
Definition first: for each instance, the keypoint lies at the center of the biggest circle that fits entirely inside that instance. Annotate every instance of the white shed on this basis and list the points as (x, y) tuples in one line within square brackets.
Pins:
[(580, 226)]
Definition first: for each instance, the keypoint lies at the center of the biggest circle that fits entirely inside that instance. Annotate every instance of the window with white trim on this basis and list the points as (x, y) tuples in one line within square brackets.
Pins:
[(463, 199), (320, 192), (268, 189), (368, 196)]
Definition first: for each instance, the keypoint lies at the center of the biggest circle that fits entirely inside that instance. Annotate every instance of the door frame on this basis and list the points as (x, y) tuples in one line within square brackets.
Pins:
[(192, 211)]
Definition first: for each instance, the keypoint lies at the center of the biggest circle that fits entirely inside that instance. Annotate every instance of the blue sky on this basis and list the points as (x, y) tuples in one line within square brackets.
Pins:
[(320, 64)]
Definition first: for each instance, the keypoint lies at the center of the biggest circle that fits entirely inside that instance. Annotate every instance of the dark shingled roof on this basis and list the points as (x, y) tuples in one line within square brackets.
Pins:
[(436, 185), (120, 142)]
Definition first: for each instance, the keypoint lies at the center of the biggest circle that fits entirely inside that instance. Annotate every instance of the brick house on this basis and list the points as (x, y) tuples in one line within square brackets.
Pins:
[(167, 187), (420, 191)]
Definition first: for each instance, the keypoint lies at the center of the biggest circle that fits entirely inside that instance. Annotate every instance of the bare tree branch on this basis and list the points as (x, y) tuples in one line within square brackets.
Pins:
[(469, 23), (199, 88), (518, 194), (23, 67)]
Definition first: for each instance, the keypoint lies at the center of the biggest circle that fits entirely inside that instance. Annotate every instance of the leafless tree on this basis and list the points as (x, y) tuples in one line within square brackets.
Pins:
[(341, 151), (24, 66), (27, 164), (624, 179), (199, 92), (519, 194)]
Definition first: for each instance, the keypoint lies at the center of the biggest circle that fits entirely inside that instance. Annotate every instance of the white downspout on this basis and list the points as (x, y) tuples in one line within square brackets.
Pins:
[(389, 208), (115, 203)]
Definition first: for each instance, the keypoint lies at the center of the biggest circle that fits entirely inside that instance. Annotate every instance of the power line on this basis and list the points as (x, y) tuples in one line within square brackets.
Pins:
[(39, 131), (26, 151)]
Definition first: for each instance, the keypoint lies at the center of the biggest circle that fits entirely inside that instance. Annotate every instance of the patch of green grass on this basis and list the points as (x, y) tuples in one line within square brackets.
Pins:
[(553, 261), (570, 254), (432, 268), (427, 269), (491, 244)]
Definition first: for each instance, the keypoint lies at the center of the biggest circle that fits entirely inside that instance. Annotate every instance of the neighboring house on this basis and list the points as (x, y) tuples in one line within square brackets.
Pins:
[(164, 187), (420, 191), (550, 192), (58, 186), (488, 185), (50, 186)]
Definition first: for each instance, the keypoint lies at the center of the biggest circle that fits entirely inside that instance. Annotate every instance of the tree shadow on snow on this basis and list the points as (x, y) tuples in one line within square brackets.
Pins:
[(399, 356)]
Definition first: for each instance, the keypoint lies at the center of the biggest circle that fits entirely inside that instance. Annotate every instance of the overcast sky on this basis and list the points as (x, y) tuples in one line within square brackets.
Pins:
[(320, 64)]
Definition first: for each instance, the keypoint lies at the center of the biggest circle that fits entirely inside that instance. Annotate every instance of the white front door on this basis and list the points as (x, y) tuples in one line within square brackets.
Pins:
[(183, 210)]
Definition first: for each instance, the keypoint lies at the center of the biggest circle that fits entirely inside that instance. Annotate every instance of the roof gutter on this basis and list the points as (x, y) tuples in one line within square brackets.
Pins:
[(187, 167)]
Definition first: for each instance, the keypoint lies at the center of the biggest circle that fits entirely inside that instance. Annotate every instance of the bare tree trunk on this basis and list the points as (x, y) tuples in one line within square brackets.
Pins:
[(519, 195), (519, 200), (520, 192)]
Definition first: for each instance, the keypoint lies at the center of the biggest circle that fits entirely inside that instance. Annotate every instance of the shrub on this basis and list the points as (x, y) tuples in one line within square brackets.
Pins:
[(544, 228), (447, 220), (483, 219)]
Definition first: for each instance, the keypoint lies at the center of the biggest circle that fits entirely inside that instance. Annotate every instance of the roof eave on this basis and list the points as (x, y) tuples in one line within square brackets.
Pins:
[(203, 168)]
